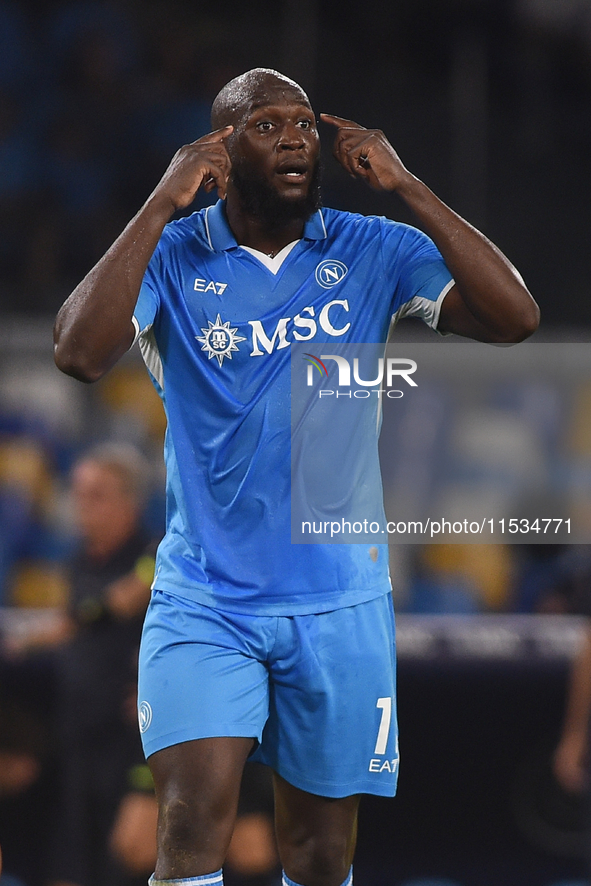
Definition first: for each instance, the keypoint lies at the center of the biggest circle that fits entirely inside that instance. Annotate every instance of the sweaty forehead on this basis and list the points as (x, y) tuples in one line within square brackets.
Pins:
[(271, 94), (257, 89)]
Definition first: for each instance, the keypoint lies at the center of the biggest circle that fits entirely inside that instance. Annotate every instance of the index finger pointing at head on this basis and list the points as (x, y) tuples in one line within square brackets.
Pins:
[(217, 135), (341, 122)]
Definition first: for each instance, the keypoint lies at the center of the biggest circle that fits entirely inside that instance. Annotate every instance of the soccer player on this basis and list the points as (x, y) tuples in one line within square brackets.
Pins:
[(252, 644)]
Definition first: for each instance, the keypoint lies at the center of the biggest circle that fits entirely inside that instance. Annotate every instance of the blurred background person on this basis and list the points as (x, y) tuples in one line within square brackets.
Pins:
[(25, 790), (86, 656), (109, 582), (571, 758)]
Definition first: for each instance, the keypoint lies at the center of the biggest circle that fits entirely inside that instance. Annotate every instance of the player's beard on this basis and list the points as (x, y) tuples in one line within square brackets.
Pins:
[(260, 200)]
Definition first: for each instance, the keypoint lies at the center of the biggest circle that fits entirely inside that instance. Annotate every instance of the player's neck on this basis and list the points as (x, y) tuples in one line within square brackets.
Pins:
[(260, 234)]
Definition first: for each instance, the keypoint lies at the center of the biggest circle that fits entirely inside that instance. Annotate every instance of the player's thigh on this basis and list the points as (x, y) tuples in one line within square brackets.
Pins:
[(332, 723), (200, 780), (197, 785), (199, 676)]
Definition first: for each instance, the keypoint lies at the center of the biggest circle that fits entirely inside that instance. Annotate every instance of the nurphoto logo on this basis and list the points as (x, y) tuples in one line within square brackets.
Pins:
[(394, 369)]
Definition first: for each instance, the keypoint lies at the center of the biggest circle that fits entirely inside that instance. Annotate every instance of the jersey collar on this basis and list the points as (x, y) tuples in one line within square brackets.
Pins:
[(220, 237)]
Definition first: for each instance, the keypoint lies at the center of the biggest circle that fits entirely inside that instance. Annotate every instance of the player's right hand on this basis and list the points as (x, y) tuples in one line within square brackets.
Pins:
[(203, 163)]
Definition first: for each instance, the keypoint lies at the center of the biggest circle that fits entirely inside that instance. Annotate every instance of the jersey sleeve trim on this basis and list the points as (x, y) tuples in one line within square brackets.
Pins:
[(136, 326), (151, 355), (425, 308), (138, 330)]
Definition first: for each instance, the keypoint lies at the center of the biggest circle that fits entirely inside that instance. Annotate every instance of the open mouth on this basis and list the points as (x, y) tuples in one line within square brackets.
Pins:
[(295, 173)]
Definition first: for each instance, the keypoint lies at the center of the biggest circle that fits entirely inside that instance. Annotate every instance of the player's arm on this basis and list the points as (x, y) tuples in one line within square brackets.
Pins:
[(571, 756), (93, 328), (128, 596), (489, 301)]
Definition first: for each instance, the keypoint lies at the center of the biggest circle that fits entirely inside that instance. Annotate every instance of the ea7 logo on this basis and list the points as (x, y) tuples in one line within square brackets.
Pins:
[(209, 286), (330, 272)]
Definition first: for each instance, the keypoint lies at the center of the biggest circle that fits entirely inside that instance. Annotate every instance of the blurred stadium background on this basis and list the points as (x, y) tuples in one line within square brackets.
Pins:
[(489, 102)]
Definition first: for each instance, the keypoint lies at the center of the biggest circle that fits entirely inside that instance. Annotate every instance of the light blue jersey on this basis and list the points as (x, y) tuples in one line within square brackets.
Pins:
[(216, 322)]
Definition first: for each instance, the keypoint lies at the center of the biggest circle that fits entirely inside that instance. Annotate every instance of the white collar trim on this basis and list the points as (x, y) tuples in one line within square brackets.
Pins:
[(273, 264)]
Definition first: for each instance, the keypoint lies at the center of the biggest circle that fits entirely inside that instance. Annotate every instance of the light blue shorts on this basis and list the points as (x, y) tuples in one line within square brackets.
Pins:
[(316, 691)]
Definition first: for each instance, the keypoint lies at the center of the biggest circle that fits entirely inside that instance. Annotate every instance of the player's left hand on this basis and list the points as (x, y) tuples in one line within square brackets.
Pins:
[(366, 153)]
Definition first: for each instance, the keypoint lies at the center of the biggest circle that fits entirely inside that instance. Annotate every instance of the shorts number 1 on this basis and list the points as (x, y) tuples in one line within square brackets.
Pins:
[(386, 705)]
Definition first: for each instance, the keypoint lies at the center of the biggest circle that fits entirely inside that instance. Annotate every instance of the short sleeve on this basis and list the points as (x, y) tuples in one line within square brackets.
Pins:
[(148, 302), (420, 276)]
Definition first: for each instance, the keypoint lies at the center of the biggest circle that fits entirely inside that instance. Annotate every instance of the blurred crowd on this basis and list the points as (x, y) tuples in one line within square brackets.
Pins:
[(95, 98), (97, 95)]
